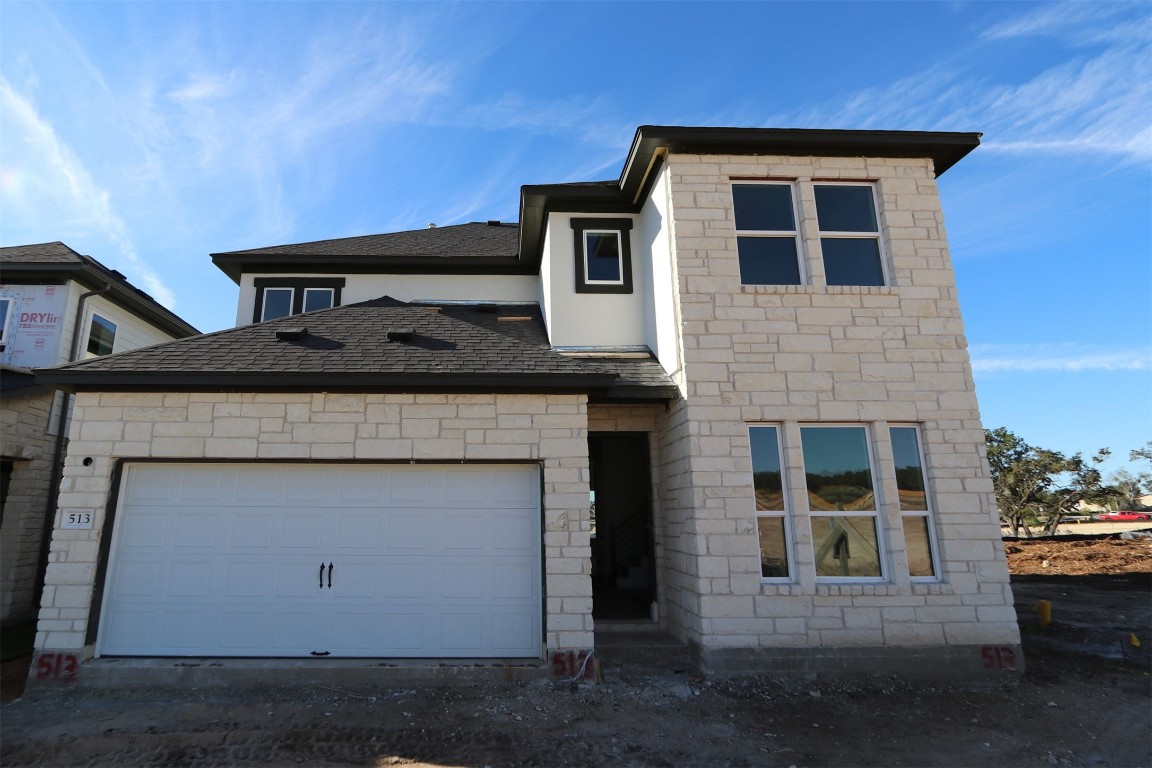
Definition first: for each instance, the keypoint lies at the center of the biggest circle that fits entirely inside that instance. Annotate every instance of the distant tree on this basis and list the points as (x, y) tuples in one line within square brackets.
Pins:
[(1036, 487), (1131, 486)]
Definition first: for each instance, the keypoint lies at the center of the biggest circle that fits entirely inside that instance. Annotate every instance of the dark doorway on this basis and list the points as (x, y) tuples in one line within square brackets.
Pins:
[(623, 561)]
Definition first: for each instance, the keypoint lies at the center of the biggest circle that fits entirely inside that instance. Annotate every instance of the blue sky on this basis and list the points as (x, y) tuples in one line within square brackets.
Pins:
[(149, 135)]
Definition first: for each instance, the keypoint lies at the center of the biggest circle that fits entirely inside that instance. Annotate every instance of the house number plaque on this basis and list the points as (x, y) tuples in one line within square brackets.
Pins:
[(74, 520)]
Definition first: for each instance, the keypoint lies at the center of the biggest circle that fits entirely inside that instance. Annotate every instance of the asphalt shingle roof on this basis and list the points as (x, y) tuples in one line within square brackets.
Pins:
[(460, 241), (39, 253), (349, 348)]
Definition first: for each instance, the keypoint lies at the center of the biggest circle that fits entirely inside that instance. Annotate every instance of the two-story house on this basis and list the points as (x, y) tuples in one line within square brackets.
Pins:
[(55, 306), (727, 393)]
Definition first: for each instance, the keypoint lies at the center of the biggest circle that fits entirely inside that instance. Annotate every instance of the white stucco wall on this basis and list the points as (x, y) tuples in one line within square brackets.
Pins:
[(590, 319), (654, 232)]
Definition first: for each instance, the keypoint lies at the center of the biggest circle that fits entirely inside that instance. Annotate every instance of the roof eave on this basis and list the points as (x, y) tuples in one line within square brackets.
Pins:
[(285, 381), (119, 292)]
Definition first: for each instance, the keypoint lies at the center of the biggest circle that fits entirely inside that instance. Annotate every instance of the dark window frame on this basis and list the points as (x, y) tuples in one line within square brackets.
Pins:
[(297, 284), (97, 323), (622, 228)]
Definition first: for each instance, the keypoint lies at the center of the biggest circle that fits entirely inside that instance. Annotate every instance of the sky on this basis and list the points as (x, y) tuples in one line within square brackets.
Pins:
[(149, 135)]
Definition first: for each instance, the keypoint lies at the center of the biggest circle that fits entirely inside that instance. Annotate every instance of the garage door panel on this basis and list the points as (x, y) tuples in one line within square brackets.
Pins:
[(253, 530), (426, 562), (247, 579)]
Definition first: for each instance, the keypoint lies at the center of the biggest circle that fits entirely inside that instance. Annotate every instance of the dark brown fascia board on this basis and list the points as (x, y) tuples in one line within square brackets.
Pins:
[(236, 265), (537, 201), (120, 292), (634, 394), (76, 381), (945, 148)]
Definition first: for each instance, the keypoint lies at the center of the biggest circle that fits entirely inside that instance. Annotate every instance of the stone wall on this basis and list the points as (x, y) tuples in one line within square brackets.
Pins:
[(548, 429), (793, 355), (26, 441)]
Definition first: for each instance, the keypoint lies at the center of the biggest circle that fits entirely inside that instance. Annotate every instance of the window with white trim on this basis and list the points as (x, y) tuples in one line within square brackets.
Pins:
[(915, 506), (278, 297), (841, 500), (767, 240), (849, 234), (603, 256), (771, 504), (101, 336)]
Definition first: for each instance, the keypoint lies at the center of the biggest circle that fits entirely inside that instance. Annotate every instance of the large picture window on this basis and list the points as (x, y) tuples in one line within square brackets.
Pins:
[(278, 297), (771, 509), (849, 234), (766, 236), (603, 255), (841, 502), (915, 509)]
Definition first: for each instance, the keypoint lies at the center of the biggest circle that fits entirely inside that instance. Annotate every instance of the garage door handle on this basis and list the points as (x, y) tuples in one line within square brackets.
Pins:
[(322, 575)]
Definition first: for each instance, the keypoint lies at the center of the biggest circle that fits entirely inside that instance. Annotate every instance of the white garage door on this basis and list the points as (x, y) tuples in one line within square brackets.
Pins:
[(339, 560)]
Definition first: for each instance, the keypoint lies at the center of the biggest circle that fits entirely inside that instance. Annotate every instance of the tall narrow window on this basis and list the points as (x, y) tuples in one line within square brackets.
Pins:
[(771, 512), (766, 237), (841, 502), (603, 257), (915, 511), (101, 337), (849, 234)]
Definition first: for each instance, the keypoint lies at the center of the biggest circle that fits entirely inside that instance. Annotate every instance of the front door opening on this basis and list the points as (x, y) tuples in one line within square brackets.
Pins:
[(623, 562)]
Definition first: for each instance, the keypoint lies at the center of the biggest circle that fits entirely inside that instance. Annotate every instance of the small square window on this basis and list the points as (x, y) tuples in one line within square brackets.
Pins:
[(317, 298), (101, 337), (603, 257), (277, 303), (766, 236), (849, 234)]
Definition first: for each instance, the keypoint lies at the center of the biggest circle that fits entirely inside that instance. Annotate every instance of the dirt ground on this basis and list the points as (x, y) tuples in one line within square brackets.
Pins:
[(1085, 700)]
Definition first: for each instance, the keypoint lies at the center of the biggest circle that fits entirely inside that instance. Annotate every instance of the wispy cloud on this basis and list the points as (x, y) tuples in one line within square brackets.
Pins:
[(1095, 103), (1066, 358), (1080, 22), (42, 174)]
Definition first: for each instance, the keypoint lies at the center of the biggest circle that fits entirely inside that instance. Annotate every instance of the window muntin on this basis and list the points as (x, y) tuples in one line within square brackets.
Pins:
[(277, 303), (766, 237), (771, 510), (849, 234), (841, 502), (914, 503), (101, 336), (318, 298), (602, 262), (602, 255)]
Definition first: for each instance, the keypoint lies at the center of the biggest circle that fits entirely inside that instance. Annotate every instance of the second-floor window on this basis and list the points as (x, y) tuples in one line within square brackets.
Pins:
[(849, 234), (603, 255), (766, 234), (278, 297), (101, 337)]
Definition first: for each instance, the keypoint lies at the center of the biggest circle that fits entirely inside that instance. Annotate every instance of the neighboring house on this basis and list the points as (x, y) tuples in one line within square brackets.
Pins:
[(746, 352), (55, 306)]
